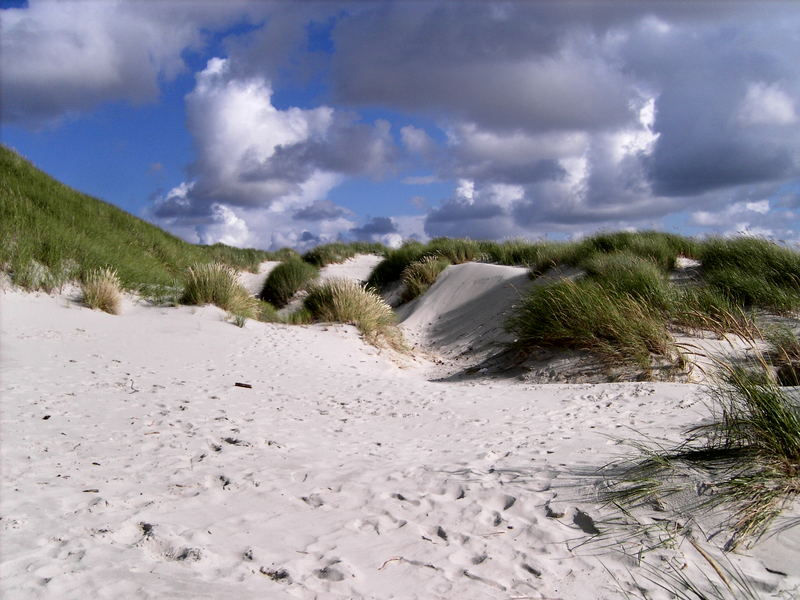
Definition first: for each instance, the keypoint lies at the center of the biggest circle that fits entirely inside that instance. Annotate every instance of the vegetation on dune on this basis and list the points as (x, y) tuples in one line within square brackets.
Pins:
[(748, 457), (421, 274), (752, 272), (626, 274), (286, 279), (218, 284), (585, 315), (391, 268), (101, 290), (338, 252), (50, 234), (345, 301)]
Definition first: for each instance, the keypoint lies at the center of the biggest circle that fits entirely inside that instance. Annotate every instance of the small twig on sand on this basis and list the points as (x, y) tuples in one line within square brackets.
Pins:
[(388, 560)]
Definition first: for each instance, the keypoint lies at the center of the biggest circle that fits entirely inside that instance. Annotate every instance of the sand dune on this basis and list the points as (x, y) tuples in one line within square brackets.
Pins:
[(134, 467)]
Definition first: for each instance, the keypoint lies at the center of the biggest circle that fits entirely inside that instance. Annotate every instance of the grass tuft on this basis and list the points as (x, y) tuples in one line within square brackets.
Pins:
[(585, 315), (101, 290), (338, 252), (345, 301), (218, 284), (626, 274), (285, 280), (748, 456), (421, 274), (753, 273)]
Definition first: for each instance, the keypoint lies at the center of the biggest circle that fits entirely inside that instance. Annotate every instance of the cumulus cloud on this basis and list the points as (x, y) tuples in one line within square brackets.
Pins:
[(252, 156), (767, 105), (758, 218), (416, 140), (60, 58), (502, 67), (544, 116)]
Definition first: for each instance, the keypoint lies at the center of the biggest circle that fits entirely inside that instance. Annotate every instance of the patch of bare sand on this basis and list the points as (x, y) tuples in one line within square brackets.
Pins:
[(133, 466)]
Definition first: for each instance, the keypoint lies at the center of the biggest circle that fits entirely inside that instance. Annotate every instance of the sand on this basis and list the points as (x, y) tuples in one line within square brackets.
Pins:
[(134, 467)]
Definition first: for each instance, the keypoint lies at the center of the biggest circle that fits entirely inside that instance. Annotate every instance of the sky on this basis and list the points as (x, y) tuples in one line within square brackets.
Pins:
[(272, 124)]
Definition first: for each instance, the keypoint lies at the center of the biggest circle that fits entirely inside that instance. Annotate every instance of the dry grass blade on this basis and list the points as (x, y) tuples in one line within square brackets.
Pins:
[(101, 290), (345, 301), (218, 284)]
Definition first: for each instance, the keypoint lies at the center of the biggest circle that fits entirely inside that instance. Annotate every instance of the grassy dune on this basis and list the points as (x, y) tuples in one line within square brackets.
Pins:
[(50, 233)]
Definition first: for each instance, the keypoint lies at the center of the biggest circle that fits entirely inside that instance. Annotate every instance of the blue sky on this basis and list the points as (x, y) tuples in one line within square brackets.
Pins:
[(294, 123)]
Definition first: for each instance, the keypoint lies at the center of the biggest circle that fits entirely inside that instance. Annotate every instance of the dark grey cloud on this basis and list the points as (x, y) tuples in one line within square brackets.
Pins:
[(500, 65), (346, 147), (456, 210), (376, 226), (519, 173), (63, 58), (322, 210)]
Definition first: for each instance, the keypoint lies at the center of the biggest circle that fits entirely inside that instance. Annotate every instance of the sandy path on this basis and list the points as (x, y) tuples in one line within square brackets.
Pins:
[(132, 467)]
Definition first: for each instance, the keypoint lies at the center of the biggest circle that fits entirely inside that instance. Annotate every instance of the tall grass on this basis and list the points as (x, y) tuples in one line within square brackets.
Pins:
[(748, 457), (421, 274), (285, 280), (218, 284), (391, 268), (585, 315), (753, 272), (338, 252), (345, 301), (101, 290), (623, 273), (48, 228), (660, 248)]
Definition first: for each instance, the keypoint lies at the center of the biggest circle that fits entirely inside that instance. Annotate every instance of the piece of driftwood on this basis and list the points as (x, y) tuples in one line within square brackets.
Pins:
[(244, 385)]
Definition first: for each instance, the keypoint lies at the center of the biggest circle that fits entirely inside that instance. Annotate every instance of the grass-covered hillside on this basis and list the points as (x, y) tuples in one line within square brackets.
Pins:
[(50, 233)]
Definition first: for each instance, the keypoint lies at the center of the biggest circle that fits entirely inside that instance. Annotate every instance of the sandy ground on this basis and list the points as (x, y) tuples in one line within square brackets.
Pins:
[(134, 467)]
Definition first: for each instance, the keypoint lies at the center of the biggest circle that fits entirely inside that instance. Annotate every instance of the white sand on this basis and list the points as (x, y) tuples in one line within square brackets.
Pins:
[(133, 468), (254, 282), (358, 268)]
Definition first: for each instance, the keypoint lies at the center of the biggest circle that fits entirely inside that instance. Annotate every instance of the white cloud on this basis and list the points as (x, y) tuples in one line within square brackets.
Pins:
[(226, 228), (259, 169), (767, 105), (416, 140), (729, 214), (58, 58)]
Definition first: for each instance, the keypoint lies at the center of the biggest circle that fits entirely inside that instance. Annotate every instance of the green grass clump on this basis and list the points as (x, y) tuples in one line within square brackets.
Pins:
[(457, 251), (422, 274), (50, 233), (218, 284), (626, 274), (266, 312), (749, 453), (391, 268), (286, 279), (585, 315), (345, 301), (338, 252), (101, 290), (752, 272), (705, 308), (660, 248)]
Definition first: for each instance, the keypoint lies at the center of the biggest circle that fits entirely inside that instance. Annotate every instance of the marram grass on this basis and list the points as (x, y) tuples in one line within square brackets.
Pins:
[(218, 284), (422, 274), (286, 279), (101, 290), (749, 455), (345, 301)]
